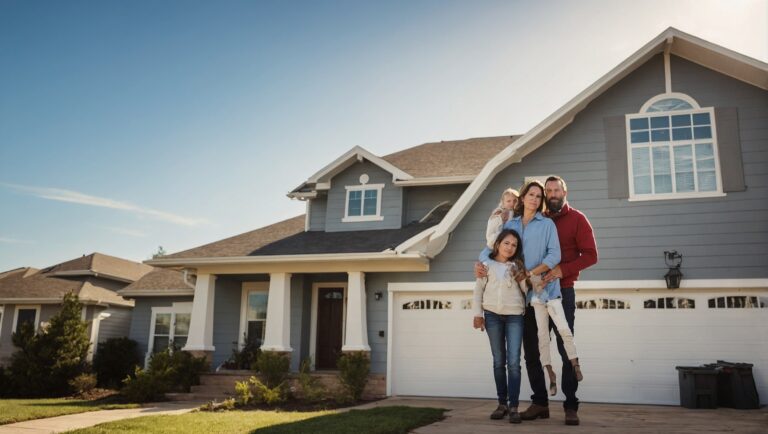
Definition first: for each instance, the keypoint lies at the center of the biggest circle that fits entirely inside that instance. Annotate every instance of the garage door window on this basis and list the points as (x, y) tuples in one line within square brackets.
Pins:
[(602, 303), (669, 303), (736, 302), (427, 305)]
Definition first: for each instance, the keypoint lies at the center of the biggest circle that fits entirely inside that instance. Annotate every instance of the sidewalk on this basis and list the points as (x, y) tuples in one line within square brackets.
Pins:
[(91, 418)]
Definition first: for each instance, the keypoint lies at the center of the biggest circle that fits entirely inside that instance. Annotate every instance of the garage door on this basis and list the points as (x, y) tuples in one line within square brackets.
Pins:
[(629, 343)]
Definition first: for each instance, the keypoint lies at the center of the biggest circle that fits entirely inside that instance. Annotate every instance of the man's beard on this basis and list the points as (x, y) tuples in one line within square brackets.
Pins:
[(555, 205)]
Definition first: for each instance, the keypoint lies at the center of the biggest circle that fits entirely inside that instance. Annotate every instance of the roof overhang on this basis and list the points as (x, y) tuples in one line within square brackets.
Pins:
[(681, 44), (72, 273), (54, 300), (436, 180), (387, 261), (355, 155), (157, 292)]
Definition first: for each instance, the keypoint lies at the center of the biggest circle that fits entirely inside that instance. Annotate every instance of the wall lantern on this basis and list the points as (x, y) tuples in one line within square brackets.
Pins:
[(674, 275), (377, 295)]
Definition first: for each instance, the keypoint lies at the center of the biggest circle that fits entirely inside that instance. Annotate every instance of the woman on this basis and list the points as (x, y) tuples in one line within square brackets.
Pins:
[(499, 305)]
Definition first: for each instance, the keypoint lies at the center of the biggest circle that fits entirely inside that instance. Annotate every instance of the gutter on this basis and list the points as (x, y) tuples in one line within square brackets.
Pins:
[(322, 257)]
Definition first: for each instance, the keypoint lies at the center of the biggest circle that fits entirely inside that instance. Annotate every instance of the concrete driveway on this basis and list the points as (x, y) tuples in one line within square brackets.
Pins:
[(468, 416)]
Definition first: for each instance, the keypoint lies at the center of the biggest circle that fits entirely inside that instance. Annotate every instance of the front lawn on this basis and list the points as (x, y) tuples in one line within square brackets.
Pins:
[(18, 410), (381, 420)]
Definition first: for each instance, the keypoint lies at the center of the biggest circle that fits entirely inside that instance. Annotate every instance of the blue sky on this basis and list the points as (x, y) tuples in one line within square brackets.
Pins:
[(129, 125)]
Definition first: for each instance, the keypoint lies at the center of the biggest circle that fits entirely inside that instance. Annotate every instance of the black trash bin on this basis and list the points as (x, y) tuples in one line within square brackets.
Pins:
[(735, 385), (698, 386)]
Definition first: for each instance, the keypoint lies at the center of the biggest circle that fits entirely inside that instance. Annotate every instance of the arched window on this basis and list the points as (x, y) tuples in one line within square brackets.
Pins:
[(672, 149)]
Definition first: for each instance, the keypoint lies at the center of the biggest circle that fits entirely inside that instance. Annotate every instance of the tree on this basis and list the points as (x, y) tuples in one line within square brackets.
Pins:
[(47, 360), (159, 253)]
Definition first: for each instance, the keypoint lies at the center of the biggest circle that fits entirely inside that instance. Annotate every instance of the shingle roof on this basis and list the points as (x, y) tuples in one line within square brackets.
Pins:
[(245, 244), (100, 263), (30, 284), (159, 279), (449, 158)]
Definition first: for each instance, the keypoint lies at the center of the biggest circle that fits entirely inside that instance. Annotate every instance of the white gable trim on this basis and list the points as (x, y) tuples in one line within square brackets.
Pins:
[(684, 45)]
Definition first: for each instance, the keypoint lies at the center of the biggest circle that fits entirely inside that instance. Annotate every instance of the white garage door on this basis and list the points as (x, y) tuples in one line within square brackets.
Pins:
[(628, 345)]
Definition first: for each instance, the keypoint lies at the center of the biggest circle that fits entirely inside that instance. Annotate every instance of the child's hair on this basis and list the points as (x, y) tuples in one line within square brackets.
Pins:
[(506, 193), (503, 234)]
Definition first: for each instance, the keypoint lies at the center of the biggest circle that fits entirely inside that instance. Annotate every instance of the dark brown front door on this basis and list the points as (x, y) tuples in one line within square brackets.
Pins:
[(330, 314)]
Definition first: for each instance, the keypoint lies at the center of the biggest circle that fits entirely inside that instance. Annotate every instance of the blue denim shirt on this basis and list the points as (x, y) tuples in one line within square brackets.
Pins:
[(540, 246)]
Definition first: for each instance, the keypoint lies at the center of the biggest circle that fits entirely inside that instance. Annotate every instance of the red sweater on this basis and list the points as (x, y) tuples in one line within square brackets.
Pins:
[(577, 243)]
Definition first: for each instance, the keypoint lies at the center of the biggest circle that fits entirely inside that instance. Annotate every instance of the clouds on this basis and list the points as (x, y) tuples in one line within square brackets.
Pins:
[(70, 196), (6, 240)]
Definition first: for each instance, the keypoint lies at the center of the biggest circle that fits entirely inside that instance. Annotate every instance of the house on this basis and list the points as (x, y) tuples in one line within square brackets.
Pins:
[(34, 296), (667, 151)]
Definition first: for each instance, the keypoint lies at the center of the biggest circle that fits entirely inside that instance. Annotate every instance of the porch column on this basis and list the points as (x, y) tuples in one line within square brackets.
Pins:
[(356, 337), (278, 328), (200, 338)]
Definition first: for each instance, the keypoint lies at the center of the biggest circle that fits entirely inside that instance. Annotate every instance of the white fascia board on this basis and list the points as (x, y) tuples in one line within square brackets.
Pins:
[(436, 180), (414, 241), (553, 124), (350, 157), (156, 293), (323, 257)]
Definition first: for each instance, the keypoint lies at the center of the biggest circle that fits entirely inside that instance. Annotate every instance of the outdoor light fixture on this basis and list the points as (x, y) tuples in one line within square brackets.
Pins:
[(674, 275), (377, 295)]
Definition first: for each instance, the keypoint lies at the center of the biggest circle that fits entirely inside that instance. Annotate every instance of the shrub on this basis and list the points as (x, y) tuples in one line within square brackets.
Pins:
[(83, 383), (243, 392), (226, 405), (181, 369), (353, 372), (5, 384), (244, 358), (274, 368), (115, 359), (311, 388), (144, 386), (266, 394), (46, 361)]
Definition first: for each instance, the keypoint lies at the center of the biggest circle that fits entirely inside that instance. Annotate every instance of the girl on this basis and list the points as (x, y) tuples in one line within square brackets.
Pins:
[(501, 215), (499, 305)]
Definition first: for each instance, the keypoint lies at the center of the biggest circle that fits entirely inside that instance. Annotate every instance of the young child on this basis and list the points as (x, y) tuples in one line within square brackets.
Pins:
[(501, 215)]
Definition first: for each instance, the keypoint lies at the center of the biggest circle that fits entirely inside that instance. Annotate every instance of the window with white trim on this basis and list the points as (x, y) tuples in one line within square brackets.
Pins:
[(170, 326), (363, 203), (26, 314), (256, 316), (672, 150)]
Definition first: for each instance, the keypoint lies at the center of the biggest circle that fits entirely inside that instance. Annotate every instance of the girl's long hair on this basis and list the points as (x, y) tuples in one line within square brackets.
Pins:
[(503, 234)]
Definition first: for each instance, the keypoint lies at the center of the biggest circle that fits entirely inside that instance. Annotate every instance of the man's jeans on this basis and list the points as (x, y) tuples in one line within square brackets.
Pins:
[(532, 357), (505, 332)]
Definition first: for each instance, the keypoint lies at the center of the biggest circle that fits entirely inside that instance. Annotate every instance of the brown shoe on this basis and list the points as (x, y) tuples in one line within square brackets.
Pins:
[(571, 418), (500, 412), (514, 417), (535, 411)]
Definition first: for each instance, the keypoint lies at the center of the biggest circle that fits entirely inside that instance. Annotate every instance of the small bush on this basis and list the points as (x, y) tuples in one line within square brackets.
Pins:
[(274, 368), (226, 405), (262, 393), (353, 372), (244, 358), (144, 386), (5, 383), (311, 388), (83, 384), (115, 359), (243, 392), (181, 369)]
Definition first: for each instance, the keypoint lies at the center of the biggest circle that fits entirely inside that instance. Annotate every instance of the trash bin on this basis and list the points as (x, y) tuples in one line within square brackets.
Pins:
[(698, 386), (736, 385)]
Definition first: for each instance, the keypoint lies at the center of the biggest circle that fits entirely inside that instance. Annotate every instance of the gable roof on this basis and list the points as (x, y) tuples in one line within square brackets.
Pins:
[(28, 285), (159, 282), (672, 40), (100, 265), (444, 162)]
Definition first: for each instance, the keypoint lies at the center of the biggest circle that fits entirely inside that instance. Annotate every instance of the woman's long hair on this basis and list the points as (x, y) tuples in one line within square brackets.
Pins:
[(520, 207), (503, 234)]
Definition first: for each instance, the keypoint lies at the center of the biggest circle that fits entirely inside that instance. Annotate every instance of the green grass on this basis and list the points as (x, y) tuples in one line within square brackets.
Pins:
[(381, 420), (18, 410)]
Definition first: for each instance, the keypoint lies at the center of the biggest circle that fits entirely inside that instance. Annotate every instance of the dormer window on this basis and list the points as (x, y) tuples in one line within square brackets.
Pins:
[(672, 150), (363, 202)]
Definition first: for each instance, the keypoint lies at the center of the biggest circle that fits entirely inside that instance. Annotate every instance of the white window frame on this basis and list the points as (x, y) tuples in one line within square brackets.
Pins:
[(176, 308), (313, 317), (670, 145), (36, 307), (2, 318), (248, 288), (363, 218)]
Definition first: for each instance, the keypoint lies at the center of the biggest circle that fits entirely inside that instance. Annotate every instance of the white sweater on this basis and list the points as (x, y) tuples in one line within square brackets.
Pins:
[(499, 292)]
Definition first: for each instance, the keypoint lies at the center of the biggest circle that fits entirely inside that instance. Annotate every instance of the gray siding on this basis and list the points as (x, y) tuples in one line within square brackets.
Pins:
[(6, 327), (117, 325), (391, 201), (109, 284), (317, 213), (420, 200), (142, 316), (226, 318), (724, 237)]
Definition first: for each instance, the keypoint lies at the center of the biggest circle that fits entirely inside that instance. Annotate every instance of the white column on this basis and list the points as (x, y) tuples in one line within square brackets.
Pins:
[(278, 333), (356, 337), (201, 323)]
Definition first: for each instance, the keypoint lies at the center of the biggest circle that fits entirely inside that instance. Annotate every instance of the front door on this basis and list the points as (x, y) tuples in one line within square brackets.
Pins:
[(330, 317)]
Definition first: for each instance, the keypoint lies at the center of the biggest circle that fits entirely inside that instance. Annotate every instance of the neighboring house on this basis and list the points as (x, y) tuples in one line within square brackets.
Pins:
[(667, 151), (34, 296)]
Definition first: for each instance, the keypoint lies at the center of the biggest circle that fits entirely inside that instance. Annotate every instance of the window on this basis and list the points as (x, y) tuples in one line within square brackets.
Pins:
[(737, 302), (363, 203), (253, 312), (170, 326), (427, 305), (672, 150), (669, 303), (602, 303), (28, 315)]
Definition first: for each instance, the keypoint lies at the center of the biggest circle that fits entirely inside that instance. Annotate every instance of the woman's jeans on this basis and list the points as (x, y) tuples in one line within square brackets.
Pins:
[(505, 332)]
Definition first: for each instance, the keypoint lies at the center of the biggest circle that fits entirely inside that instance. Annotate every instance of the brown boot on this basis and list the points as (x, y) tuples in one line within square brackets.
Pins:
[(500, 412), (535, 411), (571, 418)]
